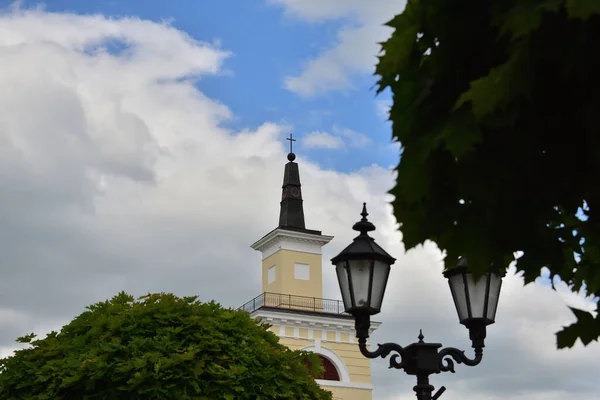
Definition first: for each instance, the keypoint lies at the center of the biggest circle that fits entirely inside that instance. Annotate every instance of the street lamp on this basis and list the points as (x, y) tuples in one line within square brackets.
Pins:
[(363, 269)]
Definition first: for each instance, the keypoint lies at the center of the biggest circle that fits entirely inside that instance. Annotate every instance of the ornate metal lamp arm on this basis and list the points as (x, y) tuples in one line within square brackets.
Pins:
[(362, 324), (477, 333), (422, 359), (383, 350), (446, 356)]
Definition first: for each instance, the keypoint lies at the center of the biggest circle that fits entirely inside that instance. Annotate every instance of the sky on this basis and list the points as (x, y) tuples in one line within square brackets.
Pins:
[(142, 146)]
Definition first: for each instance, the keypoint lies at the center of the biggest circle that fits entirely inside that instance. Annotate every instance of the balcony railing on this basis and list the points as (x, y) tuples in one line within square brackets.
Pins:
[(291, 302)]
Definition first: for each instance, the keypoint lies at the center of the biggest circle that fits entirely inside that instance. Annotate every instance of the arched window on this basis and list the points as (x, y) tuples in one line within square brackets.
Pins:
[(331, 372)]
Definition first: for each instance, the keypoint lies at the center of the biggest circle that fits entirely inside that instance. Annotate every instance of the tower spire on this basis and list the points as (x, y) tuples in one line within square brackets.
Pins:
[(291, 214)]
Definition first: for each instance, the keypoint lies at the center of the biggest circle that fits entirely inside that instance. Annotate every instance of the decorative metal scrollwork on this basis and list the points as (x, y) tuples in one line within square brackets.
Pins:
[(383, 350), (447, 355), (421, 359)]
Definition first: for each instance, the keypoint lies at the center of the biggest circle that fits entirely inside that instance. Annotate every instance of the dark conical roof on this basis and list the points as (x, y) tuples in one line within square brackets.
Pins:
[(291, 215)]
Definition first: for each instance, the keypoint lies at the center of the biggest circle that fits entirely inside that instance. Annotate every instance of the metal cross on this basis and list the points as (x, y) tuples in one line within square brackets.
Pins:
[(291, 140)]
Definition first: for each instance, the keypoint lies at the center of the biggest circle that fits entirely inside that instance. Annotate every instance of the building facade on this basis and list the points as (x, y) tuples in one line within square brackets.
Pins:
[(292, 297)]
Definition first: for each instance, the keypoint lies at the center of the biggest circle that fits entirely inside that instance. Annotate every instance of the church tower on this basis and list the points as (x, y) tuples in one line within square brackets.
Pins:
[(291, 254), (292, 296)]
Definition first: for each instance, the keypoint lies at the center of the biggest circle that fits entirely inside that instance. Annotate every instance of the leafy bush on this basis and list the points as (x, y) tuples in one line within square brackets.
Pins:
[(158, 347)]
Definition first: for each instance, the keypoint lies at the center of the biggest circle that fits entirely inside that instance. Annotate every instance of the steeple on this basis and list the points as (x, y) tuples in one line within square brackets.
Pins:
[(291, 253), (291, 214)]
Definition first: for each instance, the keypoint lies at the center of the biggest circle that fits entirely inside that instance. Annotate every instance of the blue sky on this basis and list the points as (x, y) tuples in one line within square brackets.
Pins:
[(267, 45)]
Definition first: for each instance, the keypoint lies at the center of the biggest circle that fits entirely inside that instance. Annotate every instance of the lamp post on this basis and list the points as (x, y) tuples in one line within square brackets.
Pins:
[(363, 269)]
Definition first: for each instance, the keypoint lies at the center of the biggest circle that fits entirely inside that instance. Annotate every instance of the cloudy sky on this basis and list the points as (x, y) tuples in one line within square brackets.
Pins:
[(142, 149)]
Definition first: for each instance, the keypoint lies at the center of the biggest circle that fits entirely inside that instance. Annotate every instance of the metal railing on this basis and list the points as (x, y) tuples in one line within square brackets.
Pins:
[(292, 302)]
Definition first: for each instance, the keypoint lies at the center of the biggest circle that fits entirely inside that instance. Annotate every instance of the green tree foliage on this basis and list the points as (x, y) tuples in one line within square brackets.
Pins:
[(159, 347), (495, 105)]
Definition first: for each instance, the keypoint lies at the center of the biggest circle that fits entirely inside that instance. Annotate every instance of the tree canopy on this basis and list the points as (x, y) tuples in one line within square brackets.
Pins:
[(159, 347), (495, 104)]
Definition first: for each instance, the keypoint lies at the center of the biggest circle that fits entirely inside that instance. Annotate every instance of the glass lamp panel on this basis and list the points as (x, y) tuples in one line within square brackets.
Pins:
[(381, 272), (360, 274), (494, 295), (477, 295), (457, 287), (342, 275)]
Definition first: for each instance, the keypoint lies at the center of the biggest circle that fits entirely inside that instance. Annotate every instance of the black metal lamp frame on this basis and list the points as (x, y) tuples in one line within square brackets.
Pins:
[(422, 359)]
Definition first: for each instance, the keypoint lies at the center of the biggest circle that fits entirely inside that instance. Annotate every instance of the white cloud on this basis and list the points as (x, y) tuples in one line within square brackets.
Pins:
[(353, 138), (355, 49), (322, 10), (341, 138), (116, 174), (321, 140)]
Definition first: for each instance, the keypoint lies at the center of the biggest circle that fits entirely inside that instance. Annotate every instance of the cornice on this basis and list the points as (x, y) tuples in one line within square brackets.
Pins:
[(323, 322), (282, 234)]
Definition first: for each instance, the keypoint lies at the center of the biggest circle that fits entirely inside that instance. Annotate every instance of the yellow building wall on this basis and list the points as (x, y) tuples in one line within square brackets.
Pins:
[(285, 283), (296, 344), (275, 286), (359, 367), (274, 329)]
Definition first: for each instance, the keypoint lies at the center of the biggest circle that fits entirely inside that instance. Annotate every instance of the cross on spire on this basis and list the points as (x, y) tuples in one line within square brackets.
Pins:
[(291, 139)]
